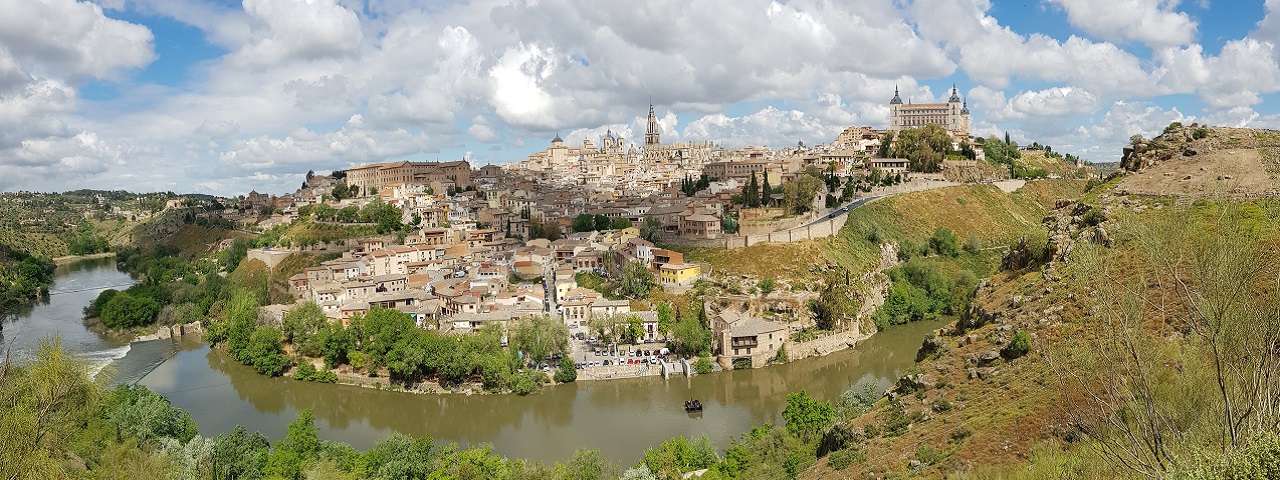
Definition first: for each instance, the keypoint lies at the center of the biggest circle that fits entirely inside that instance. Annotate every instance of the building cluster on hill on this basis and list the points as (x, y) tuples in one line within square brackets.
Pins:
[(497, 244)]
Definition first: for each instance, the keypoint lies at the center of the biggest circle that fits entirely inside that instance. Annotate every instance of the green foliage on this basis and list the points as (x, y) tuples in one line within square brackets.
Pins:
[(1018, 346), (137, 412), (806, 416), (43, 405), (651, 229), (637, 280), (126, 311), (680, 455), (1200, 133), (264, 352), (944, 242), (386, 216), (666, 317), (541, 336), (928, 455), (22, 276), (844, 458), (690, 336), (742, 364), (584, 223), (528, 381), (924, 148), (766, 285), (620, 223), (307, 372), (567, 371), (702, 365), (924, 288)]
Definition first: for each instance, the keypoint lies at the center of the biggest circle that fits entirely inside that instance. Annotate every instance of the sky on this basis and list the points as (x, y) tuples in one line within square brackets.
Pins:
[(224, 97)]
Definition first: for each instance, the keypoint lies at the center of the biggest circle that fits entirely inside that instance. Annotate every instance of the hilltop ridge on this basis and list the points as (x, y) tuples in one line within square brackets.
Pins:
[(1200, 161)]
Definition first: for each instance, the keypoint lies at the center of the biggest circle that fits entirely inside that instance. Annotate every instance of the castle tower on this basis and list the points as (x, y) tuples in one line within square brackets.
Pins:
[(652, 133), (895, 111)]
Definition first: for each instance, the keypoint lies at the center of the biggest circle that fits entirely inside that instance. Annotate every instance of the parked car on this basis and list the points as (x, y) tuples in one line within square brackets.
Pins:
[(606, 363)]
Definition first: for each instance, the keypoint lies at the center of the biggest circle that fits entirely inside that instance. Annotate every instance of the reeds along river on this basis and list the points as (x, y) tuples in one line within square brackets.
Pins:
[(619, 417)]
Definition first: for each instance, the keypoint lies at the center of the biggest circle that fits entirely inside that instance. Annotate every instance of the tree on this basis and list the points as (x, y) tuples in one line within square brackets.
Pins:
[(885, 143), (348, 214), (637, 280), (138, 412), (766, 191), (301, 324), (584, 223), (944, 242), (766, 285), (323, 211), (568, 372), (126, 311), (751, 193), (651, 229), (806, 416), (241, 455), (924, 148), (541, 336), (600, 222), (265, 353), (798, 194), (43, 404), (666, 317), (620, 223), (690, 336)]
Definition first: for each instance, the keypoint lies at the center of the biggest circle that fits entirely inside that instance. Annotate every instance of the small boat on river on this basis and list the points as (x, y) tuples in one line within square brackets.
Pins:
[(692, 405)]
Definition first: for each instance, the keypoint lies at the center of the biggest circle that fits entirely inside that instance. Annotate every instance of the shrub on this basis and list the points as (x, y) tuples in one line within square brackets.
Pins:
[(528, 381), (742, 364), (942, 405), (960, 433), (928, 455), (567, 372), (1200, 133), (973, 244), (1019, 346), (702, 365), (1093, 217), (842, 459)]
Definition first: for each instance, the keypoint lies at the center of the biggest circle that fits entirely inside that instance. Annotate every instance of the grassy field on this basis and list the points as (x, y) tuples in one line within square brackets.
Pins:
[(981, 211)]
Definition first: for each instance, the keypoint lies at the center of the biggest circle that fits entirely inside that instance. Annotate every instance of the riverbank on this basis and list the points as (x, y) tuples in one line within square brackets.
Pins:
[(66, 259)]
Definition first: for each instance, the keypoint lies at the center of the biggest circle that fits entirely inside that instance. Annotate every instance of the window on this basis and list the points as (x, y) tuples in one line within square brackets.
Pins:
[(735, 351)]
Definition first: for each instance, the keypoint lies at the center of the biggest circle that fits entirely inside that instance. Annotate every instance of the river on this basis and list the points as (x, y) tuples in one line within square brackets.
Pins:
[(619, 417)]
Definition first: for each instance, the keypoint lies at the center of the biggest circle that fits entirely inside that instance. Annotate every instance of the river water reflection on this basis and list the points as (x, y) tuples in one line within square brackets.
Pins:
[(620, 417)]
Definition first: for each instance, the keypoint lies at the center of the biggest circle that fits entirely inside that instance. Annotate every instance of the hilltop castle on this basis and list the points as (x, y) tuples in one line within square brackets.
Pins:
[(952, 116)]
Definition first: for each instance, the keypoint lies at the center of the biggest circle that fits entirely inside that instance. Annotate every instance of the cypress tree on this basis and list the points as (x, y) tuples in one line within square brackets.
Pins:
[(765, 191), (752, 196)]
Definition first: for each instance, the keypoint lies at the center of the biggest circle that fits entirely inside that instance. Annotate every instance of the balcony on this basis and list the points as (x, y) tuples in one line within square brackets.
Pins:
[(745, 342)]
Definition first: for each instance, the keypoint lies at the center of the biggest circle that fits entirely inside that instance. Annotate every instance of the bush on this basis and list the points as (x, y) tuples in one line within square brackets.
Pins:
[(742, 364), (928, 455), (960, 433), (528, 381), (1093, 217), (842, 459), (567, 372), (702, 365), (1019, 346), (1200, 133)]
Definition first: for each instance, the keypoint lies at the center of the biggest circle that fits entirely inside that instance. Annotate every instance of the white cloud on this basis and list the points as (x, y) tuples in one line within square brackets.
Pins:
[(768, 126), (70, 38), (287, 30), (1153, 22)]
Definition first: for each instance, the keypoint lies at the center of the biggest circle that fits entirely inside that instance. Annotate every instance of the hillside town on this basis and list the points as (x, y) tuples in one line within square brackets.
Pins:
[(498, 244)]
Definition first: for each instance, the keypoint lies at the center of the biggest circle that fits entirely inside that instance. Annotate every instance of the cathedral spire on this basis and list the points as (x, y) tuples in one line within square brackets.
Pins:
[(652, 134), (896, 99)]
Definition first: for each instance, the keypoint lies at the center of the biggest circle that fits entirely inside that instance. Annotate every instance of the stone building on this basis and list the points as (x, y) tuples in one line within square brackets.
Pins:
[(952, 116), (381, 175)]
